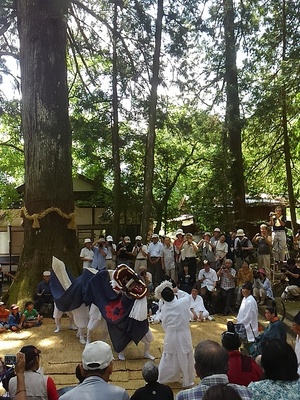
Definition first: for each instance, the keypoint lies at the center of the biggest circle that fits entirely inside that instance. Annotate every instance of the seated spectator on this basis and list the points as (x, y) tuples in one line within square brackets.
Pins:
[(296, 330), (96, 367), (153, 389), (38, 386), (248, 313), (31, 317), (197, 309), (242, 369), (275, 330), (292, 273), (207, 279), (223, 392), (227, 285), (281, 380), (244, 274), (211, 364), (14, 319), (185, 280), (262, 289), (43, 292), (4, 315)]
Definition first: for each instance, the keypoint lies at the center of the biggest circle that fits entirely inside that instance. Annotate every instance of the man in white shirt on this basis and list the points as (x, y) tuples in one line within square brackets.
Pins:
[(140, 252), (155, 259), (197, 310), (168, 259), (87, 254), (208, 279), (248, 312), (111, 253)]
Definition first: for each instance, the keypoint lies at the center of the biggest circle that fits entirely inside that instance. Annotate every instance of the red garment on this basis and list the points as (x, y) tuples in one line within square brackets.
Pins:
[(242, 369), (51, 389)]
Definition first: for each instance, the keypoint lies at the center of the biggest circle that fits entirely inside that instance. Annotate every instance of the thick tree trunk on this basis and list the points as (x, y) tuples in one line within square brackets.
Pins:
[(286, 144), (115, 135), (47, 142), (149, 156), (232, 120)]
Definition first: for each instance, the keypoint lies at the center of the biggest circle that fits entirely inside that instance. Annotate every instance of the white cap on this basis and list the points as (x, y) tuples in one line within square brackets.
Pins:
[(46, 273), (127, 239), (138, 238), (217, 230), (109, 238), (87, 240), (96, 355), (155, 235), (179, 232)]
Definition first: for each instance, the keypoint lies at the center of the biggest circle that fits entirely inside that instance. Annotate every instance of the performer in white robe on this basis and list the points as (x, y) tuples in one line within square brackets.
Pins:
[(197, 310), (57, 314), (177, 354), (248, 312)]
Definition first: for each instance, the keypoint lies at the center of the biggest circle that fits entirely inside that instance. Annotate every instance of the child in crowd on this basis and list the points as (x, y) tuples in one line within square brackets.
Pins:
[(4, 314), (31, 317), (14, 319)]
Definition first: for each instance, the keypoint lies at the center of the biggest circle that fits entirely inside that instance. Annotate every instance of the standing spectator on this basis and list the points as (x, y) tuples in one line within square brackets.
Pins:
[(168, 258), (245, 274), (177, 356), (277, 221), (263, 240), (153, 389), (207, 250), (262, 288), (140, 253), (230, 241), (221, 250), (211, 364), (185, 280), (292, 272), (38, 386), (155, 253), (43, 292), (124, 252), (242, 248), (216, 236), (227, 285), (296, 330), (4, 315), (100, 253), (248, 312), (178, 243), (87, 254), (207, 278), (242, 368), (189, 250), (96, 367), (281, 380), (111, 253)]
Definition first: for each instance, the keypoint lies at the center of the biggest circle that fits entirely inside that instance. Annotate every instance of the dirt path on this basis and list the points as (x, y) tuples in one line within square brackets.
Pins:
[(62, 352)]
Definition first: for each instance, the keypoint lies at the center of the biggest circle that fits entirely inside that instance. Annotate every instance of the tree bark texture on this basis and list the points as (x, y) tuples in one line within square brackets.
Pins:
[(232, 120), (115, 134), (149, 156), (42, 29)]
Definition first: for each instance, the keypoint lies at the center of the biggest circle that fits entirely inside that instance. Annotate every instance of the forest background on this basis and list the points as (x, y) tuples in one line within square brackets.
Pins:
[(174, 106)]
